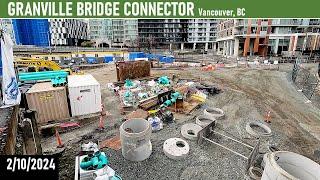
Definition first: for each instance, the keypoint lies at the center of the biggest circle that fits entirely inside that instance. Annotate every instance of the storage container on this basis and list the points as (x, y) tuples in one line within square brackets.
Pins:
[(84, 94), (49, 102)]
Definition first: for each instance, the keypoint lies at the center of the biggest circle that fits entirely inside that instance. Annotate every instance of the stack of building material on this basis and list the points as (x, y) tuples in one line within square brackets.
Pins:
[(49, 102), (161, 58), (58, 78)]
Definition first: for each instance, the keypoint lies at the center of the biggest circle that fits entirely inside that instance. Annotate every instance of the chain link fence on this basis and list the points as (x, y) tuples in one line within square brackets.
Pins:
[(306, 81)]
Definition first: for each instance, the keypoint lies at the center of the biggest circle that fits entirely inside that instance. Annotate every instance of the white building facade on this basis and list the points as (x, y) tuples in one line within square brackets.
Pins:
[(68, 32), (202, 32), (113, 32)]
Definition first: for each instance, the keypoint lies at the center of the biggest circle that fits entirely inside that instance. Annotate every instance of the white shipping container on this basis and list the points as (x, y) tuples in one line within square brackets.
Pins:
[(84, 94)]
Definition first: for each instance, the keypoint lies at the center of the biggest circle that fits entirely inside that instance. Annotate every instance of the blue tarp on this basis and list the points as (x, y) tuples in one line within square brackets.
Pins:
[(167, 59), (108, 59), (91, 60), (161, 58), (134, 55), (154, 56)]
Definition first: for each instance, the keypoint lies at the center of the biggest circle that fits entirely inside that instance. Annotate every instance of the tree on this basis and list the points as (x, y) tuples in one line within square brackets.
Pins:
[(87, 44)]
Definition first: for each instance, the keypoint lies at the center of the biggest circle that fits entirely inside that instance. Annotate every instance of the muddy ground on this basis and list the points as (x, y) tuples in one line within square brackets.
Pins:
[(247, 95)]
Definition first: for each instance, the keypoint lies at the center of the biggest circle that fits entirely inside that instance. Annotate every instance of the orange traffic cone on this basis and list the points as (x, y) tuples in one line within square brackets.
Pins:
[(59, 142), (268, 117), (101, 123), (103, 112)]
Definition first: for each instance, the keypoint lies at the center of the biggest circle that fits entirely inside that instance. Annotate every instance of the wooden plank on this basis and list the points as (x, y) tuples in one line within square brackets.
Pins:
[(78, 119)]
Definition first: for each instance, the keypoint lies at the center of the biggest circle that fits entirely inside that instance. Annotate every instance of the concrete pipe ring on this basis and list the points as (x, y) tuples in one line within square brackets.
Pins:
[(190, 131), (176, 148), (204, 120), (264, 160), (135, 135), (273, 148), (289, 165), (266, 130), (214, 112), (255, 173)]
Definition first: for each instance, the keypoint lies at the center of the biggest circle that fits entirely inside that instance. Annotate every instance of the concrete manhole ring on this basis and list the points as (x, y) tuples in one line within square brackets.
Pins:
[(255, 173), (204, 120), (264, 160), (190, 131), (176, 148), (214, 112), (266, 130)]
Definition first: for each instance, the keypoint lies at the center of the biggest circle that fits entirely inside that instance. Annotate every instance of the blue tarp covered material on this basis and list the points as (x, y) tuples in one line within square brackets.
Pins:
[(161, 58), (154, 56), (134, 55), (166, 59), (108, 59), (91, 60)]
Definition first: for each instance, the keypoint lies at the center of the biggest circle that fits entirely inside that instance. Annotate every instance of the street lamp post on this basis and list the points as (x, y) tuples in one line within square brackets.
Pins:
[(49, 41)]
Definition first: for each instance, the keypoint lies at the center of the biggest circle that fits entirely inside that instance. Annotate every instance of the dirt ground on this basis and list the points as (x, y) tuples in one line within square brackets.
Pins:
[(247, 95)]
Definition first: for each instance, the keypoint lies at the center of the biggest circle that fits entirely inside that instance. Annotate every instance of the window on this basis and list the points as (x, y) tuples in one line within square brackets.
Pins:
[(264, 28)]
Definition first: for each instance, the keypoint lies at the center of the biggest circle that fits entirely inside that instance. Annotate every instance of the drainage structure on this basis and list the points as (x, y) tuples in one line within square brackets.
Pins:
[(214, 112), (289, 165), (135, 137), (204, 120)]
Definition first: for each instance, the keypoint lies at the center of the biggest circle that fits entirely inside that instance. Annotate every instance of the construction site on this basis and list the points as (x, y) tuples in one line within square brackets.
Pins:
[(238, 109)]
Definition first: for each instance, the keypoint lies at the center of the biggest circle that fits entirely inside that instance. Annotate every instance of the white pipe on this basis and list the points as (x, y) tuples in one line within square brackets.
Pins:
[(287, 165), (135, 137)]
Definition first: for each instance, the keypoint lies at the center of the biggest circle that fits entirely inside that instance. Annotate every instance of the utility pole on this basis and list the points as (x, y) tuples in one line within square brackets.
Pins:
[(49, 41)]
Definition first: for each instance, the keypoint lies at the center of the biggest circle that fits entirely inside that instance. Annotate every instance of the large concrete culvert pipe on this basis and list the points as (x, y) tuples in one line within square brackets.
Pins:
[(135, 137), (284, 165)]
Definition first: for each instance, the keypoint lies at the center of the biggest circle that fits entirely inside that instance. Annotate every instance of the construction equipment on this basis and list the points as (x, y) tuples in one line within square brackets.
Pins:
[(36, 65)]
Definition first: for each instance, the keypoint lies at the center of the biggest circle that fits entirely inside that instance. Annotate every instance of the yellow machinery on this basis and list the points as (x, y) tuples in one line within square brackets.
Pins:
[(35, 65)]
